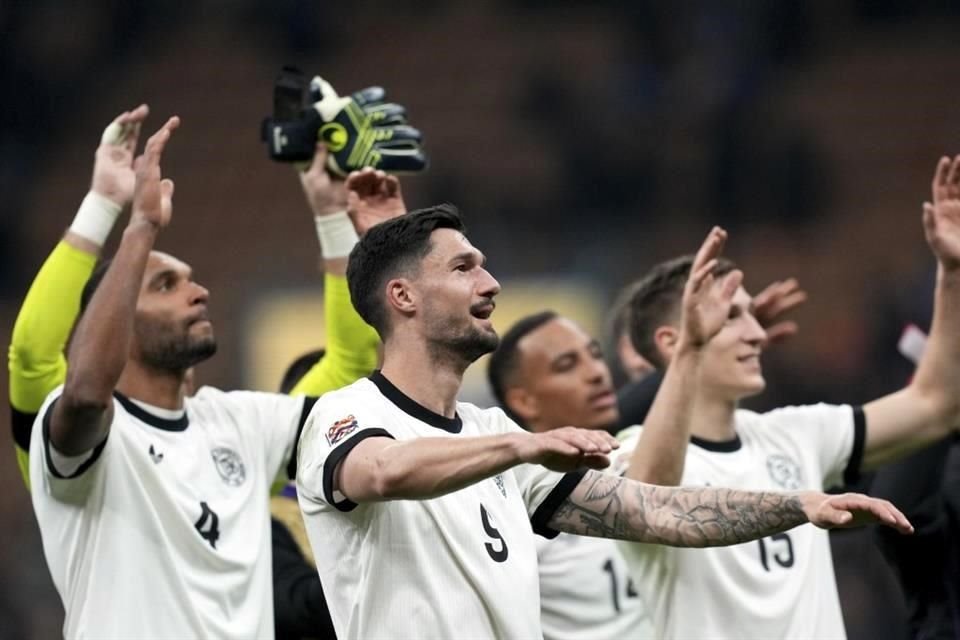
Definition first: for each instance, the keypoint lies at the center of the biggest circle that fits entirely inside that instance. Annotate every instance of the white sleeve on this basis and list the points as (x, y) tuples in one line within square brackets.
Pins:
[(543, 490), (334, 427), (277, 420), (835, 433), (63, 477)]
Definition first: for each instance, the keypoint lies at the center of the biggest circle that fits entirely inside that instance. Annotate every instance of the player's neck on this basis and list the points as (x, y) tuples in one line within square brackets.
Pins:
[(713, 418), (422, 378), (162, 389)]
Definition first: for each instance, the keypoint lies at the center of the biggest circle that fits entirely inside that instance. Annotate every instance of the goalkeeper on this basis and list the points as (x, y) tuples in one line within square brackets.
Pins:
[(37, 363), (36, 359)]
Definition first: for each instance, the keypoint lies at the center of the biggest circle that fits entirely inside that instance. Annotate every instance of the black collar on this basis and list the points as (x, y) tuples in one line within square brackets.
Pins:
[(138, 412), (413, 408), (719, 446)]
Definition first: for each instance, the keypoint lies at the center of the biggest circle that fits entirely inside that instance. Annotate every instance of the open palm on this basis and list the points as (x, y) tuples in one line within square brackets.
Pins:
[(706, 302), (113, 174), (941, 220), (373, 197), (153, 195)]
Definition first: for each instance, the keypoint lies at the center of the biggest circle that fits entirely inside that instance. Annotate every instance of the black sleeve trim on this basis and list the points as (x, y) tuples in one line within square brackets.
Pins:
[(308, 403), (541, 517), (22, 425), (46, 447), (852, 473), (336, 457)]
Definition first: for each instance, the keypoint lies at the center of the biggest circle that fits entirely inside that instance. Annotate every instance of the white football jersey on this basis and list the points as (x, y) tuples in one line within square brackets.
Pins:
[(782, 586), (163, 530), (463, 565), (586, 592)]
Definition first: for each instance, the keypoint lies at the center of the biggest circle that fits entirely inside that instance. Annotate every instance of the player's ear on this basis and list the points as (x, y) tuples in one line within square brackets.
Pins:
[(401, 296), (522, 403), (665, 338)]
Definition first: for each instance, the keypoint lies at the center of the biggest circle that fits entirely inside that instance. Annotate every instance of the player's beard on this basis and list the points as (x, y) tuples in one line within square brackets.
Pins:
[(169, 347), (460, 340)]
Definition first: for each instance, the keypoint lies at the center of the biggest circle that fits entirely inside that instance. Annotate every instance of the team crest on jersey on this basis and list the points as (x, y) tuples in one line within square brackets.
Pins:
[(341, 429), (229, 466), (785, 472)]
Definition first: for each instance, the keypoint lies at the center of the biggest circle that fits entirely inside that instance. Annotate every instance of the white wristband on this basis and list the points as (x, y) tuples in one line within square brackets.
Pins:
[(336, 234), (95, 218)]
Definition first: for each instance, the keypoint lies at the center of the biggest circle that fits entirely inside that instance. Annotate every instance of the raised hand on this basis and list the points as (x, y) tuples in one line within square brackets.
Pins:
[(568, 449), (706, 303), (849, 510), (113, 174), (777, 299), (373, 197), (941, 220), (326, 194), (153, 196)]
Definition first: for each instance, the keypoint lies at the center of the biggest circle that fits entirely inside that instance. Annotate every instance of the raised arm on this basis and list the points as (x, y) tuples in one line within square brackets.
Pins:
[(100, 346), (343, 212), (661, 451), (36, 360), (928, 408), (607, 506), (380, 468)]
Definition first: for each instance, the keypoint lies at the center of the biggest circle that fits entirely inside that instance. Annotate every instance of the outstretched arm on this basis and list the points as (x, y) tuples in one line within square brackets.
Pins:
[(607, 506), (100, 347), (36, 360), (380, 468), (929, 408)]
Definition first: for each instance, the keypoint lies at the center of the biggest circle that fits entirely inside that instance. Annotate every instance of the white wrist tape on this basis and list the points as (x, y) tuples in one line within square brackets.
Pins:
[(336, 234), (95, 218), (912, 343)]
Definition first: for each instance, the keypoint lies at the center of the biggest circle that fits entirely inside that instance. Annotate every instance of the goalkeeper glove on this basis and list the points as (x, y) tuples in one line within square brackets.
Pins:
[(363, 130)]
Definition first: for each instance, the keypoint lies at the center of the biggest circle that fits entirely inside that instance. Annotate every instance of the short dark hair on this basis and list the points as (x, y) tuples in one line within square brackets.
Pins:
[(389, 249), (505, 360), (656, 298), (619, 321), (299, 368), (90, 287), (620, 312)]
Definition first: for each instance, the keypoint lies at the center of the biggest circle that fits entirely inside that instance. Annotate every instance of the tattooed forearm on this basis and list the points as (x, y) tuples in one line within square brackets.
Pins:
[(608, 506)]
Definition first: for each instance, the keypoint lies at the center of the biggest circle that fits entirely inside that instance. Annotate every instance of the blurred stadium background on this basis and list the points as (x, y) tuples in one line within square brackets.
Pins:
[(583, 141)]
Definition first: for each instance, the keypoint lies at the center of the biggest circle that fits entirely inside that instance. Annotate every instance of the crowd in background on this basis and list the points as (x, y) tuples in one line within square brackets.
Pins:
[(583, 140)]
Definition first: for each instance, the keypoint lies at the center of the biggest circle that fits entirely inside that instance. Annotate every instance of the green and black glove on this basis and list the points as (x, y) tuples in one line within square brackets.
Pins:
[(363, 130)]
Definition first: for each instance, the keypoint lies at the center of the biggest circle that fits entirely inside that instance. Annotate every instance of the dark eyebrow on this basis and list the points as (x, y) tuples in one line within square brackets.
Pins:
[(164, 275), (572, 353), (469, 256), (160, 276)]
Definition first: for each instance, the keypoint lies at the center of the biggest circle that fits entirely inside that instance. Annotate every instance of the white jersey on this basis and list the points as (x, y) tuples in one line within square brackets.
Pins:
[(463, 565), (777, 587), (586, 592), (163, 530)]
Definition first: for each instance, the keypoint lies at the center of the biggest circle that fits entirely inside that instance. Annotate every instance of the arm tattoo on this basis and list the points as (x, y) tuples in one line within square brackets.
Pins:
[(607, 506)]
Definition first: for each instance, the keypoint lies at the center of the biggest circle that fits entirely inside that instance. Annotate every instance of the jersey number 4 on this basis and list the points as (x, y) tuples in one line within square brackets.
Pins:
[(782, 553), (496, 554), (208, 525)]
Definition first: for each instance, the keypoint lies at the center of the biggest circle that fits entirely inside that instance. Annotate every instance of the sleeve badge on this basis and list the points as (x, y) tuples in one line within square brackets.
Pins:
[(341, 429)]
